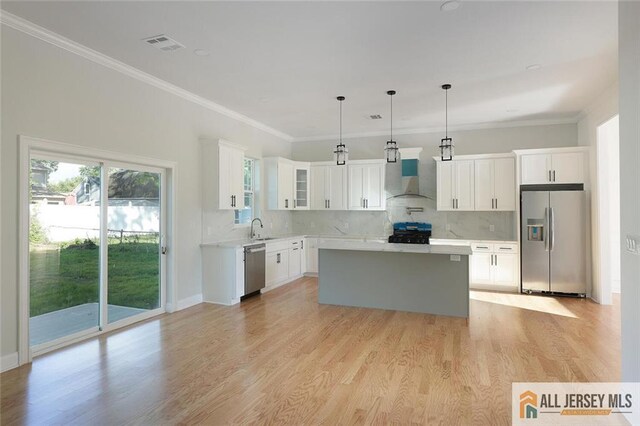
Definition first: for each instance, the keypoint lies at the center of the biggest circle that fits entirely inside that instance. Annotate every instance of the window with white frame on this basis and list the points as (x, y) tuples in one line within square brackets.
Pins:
[(245, 216)]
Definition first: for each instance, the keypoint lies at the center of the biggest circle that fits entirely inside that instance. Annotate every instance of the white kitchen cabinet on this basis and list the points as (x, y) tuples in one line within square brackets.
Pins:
[(328, 187), (495, 184), (301, 186), (366, 186), (481, 265), (295, 261), (455, 185), (552, 166), (287, 184), (494, 266), (505, 269), (311, 249), (222, 274), (277, 267), (230, 177)]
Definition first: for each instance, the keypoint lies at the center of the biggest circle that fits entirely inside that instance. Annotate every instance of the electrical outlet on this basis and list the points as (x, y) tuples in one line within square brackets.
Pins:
[(633, 244), (492, 228), (346, 225)]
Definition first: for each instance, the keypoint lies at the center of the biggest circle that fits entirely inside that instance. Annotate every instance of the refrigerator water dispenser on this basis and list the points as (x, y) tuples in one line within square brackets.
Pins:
[(535, 230)]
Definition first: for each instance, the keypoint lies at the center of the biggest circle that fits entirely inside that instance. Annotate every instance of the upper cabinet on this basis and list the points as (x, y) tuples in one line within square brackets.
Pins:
[(328, 187), (495, 184), (366, 185), (563, 165), (455, 185), (222, 174), (230, 177), (301, 186), (287, 184)]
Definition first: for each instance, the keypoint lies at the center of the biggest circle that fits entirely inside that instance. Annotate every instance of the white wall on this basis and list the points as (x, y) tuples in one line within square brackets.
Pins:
[(602, 109), (53, 94), (482, 141), (629, 66)]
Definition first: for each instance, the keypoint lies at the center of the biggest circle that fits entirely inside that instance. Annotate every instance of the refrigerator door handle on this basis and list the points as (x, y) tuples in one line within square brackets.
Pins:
[(552, 230), (545, 235)]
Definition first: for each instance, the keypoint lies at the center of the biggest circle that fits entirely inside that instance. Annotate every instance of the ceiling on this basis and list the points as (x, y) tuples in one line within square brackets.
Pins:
[(283, 63)]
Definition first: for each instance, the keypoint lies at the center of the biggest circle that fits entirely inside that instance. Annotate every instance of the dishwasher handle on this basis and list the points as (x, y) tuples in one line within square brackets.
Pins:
[(255, 250)]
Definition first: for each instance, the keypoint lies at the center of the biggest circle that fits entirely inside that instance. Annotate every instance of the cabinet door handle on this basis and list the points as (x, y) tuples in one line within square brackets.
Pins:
[(294, 203), (453, 203), (554, 175), (278, 258), (550, 176), (496, 204), (366, 203), (329, 203), (492, 201), (286, 203), (302, 244), (496, 257)]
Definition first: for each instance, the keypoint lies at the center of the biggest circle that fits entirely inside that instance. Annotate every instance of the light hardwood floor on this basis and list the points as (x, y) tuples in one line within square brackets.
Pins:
[(283, 359)]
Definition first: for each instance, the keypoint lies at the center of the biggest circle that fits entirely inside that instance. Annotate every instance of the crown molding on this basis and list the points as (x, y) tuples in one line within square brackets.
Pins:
[(440, 129), (71, 46)]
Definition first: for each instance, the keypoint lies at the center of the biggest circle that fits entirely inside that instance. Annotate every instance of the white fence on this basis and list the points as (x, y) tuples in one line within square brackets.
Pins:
[(67, 222)]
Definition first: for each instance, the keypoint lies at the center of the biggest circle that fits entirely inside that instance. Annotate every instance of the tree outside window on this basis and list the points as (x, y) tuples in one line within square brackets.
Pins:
[(245, 216)]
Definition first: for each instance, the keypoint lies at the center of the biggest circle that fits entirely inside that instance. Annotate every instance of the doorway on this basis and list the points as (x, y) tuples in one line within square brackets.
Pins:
[(608, 181), (94, 252)]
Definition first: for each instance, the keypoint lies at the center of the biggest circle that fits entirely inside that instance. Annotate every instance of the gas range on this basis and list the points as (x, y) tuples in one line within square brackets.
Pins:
[(411, 233)]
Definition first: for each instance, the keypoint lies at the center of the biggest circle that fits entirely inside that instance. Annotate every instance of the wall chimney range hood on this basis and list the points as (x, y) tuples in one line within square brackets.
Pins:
[(401, 178)]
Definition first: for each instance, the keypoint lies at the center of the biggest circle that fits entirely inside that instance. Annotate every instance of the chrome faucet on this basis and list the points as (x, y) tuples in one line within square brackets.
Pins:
[(253, 235)]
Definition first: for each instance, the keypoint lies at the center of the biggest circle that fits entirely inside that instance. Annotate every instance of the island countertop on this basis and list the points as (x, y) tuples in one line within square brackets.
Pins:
[(383, 246)]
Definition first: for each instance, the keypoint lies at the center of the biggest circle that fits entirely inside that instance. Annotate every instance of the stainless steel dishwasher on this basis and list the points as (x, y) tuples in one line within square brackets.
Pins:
[(254, 268)]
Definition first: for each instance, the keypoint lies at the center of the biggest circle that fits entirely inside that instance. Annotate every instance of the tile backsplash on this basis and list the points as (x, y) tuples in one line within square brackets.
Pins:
[(462, 225)]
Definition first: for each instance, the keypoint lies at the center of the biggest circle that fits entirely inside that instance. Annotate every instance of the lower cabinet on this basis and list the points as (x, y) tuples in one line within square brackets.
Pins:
[(311, 255), (494, 266), (285, 261)]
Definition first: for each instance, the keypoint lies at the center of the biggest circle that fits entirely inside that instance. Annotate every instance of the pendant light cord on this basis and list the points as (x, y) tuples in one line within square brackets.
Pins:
[(446, 113), (391, 117), (341, 122)]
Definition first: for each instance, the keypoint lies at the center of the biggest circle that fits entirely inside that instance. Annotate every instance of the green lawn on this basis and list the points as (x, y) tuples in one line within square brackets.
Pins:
[(67, 275)]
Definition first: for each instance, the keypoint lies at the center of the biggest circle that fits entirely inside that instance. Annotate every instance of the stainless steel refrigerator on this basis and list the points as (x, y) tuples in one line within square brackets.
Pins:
[(553, 235)]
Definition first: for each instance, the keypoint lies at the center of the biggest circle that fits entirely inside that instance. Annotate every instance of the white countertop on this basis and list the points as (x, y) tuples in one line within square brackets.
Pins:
[(248, 241), (373, 245)]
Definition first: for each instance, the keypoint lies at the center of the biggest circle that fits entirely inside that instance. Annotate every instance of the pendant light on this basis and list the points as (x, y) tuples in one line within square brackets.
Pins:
[(446, 144), (391, 150), (341, 153)]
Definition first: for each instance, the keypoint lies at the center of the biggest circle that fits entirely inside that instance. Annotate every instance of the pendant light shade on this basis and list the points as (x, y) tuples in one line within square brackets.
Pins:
[(446, 144), (341, 153), (391, 150)]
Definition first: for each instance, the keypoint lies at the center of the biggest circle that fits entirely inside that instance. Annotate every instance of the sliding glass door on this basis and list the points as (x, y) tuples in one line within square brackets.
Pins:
[(95, 257), (64, 255), (134, 251)]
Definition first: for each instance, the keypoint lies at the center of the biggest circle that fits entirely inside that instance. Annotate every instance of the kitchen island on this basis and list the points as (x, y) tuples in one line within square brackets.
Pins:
[(404, 277)]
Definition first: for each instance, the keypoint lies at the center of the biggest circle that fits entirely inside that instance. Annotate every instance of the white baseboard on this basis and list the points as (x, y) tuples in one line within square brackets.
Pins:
[(8, 362), (189, 302)]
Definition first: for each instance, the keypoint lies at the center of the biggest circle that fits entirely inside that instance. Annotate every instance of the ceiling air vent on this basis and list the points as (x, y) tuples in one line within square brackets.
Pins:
[(375, 117), (163, 42)]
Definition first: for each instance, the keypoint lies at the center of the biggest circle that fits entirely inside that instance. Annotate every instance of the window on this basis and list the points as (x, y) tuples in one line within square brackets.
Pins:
[(245, 216)]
